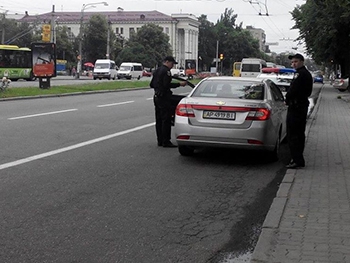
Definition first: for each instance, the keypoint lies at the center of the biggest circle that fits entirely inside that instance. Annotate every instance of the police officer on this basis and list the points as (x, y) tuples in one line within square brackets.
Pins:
[(298, 102), (161, 83)]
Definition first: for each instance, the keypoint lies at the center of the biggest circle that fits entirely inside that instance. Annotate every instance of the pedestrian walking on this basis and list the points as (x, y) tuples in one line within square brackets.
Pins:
[(298, 102), (74, 71), (162, 85)]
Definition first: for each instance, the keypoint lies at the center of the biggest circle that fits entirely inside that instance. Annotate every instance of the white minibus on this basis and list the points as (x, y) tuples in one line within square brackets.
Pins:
[(105, 69), (130, 70), (251, 67)]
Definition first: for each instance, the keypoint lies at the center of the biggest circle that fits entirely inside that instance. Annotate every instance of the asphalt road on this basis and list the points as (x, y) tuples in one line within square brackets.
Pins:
[(82, 180)]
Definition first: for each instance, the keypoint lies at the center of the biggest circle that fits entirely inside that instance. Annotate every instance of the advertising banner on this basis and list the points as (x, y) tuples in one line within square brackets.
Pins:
[(44, 60)]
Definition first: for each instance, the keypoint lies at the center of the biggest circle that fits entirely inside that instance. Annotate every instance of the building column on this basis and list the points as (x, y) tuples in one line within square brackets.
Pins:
[(187, 43)]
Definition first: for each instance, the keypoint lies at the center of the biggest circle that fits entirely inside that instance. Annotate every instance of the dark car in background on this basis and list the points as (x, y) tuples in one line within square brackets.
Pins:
[(318, 79)]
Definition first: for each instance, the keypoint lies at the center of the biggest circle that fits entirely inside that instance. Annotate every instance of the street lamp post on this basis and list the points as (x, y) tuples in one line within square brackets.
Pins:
[(217, 56), (80, 56)]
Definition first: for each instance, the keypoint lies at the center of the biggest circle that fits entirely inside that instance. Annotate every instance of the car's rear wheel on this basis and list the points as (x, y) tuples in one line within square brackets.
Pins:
[(185, 150)]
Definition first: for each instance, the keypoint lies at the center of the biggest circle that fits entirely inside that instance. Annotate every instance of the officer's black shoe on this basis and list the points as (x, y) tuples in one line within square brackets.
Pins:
[(169, 145), (294, 166), (160, 144)]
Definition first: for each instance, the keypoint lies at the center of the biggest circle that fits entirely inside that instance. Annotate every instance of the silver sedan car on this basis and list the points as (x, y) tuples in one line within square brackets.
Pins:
[(243, 113), (341, 84)]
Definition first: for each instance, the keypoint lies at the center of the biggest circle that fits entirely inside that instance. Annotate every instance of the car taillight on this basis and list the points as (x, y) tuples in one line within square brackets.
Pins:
[(185, 110), (260, 114)]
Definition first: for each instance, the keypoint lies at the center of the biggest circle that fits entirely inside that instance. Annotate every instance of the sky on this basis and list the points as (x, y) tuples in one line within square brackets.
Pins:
[(277, 25)]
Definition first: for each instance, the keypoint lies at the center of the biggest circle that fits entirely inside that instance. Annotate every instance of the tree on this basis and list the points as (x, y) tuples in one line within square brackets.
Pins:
[(236, 42), (95, 38), (148, 46), (325, 28), (207, 38), (17, 34), (64, 47)]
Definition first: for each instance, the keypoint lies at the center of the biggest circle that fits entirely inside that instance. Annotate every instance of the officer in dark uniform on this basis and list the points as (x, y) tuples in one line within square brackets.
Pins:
[(298, 102), (161, 83)]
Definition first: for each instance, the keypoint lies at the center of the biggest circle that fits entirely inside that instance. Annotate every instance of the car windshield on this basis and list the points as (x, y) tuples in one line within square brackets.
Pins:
[(230, 89), (125, 68), (102, 65)]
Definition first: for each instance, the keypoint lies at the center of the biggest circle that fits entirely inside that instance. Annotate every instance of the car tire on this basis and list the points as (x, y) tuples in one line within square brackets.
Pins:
[(342, 90), (185, 150)]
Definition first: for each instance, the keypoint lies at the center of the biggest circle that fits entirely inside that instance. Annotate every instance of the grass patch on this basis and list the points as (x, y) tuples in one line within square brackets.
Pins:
[(57, 90)]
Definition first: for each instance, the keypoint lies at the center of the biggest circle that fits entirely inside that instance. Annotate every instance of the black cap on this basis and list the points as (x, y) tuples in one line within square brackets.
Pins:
[(298, 56), (170, 59)]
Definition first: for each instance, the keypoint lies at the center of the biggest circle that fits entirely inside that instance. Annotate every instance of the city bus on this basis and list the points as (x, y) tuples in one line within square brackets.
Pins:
[(236, 69), (15, 62)]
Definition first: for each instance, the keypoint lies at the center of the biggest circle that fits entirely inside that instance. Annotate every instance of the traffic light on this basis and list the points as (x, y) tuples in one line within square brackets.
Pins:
[(46, 33), (221, 56)]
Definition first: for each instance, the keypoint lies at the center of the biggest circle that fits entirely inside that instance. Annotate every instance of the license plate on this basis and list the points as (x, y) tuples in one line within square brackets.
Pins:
[(219, 115)]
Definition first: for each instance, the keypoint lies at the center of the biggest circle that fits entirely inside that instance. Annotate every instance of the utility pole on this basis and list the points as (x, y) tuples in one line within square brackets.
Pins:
[(52, 35), (3, 27), (108, 38), (217, 55)]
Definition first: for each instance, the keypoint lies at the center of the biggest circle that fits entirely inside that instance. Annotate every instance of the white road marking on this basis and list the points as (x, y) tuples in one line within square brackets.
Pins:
[(149, 98), (115, 104), (41, 114), (73, 147)]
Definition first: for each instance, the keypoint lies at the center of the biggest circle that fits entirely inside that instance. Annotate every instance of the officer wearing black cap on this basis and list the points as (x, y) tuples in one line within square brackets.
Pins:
[(161, 83), (298, 102)]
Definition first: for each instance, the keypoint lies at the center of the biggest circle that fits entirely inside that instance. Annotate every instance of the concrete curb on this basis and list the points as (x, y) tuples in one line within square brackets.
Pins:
[(266, 241)]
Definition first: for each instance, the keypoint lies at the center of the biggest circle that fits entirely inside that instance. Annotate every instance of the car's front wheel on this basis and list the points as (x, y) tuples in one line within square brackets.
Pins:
[(185, 150)]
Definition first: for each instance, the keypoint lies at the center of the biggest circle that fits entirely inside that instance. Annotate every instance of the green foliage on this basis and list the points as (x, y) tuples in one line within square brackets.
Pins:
[(234, 41), (148, 46), (64, 47), (95, 39), (325, 28), (17, 34)]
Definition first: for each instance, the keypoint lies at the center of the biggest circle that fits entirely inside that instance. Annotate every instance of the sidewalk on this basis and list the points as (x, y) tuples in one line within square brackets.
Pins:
[(309, 219)]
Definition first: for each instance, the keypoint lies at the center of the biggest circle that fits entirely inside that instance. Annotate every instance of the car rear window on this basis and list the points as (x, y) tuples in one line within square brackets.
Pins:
[(230, 89)]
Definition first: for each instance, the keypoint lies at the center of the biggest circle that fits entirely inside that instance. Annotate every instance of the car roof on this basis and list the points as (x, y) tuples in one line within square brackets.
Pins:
[(229, 78)]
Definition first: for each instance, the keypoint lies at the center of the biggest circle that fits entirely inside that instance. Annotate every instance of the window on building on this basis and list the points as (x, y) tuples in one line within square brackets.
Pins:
[(167, 30), (121, 31), (131, 30), (117, 30)]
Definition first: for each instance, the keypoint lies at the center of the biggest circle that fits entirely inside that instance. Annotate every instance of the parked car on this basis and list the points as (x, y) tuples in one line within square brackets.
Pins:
[(243, 113), (282, 77), (318, 79), (341, 84), (146, 73)]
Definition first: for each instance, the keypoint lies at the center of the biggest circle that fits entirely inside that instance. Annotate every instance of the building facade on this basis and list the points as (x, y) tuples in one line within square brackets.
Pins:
[(260, 35), (182, 29)]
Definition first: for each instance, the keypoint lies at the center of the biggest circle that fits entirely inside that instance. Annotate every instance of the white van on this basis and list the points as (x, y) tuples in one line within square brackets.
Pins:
[(105, 69), (130, 70), (251, 67)]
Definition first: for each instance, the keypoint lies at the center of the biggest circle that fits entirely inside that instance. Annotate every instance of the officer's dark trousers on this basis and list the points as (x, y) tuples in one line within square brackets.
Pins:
[(296, 124), (163, 118)]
